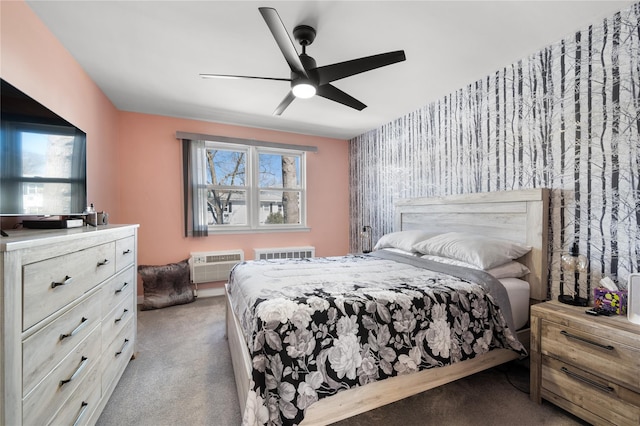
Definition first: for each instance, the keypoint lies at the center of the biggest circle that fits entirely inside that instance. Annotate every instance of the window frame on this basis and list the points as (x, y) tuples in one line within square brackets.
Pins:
[(253, 189)]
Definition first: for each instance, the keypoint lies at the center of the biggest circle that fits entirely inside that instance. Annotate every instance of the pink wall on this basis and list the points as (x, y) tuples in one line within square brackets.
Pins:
[(34, 61), (134, 160), (151, 190)]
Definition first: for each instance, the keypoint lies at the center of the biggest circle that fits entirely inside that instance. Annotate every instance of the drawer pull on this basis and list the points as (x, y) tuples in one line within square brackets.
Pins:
[(593, 383), (83, 408), (83, 364), (127, 251), (67, 280), (582, 339), (122, 288), (117, 320), (83, 323), (104, 262), (124, 345)]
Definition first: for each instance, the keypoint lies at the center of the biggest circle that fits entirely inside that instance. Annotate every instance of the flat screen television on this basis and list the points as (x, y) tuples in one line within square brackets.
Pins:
[(42, 159)]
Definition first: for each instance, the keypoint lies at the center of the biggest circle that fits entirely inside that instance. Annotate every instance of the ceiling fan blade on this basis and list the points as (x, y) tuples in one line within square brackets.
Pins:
[(328, 73), (333, 93), (283, 40), (284, 104), (230, 76)]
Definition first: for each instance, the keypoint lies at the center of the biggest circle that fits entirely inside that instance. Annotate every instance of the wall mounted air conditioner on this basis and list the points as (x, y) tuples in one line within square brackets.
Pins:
[(209, 266)]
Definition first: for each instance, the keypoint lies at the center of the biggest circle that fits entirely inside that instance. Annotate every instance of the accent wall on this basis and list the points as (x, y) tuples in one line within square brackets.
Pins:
[(566, 118)]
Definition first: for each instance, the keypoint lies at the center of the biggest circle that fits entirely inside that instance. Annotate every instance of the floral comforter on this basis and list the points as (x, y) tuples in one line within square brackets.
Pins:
[(317, 326)]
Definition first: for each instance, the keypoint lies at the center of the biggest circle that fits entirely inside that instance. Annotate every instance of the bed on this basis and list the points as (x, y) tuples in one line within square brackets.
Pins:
[(518, 216)]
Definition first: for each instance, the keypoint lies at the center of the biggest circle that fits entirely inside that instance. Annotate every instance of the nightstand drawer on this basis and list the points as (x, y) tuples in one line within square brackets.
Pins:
[(609, 359), (606, 401)]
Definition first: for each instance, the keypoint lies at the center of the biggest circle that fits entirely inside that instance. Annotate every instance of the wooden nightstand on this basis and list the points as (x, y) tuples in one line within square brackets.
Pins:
[(588, 365)]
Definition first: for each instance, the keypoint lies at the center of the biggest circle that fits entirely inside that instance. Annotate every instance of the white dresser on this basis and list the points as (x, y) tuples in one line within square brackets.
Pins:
[(68, 321)]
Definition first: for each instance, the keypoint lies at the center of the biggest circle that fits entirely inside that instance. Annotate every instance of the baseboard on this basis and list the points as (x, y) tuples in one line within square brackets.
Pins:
[(210, 292), (203, 292)]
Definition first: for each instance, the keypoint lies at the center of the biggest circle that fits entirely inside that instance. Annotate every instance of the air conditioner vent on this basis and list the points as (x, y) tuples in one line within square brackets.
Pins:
[(215, 258), (285, 253), (214, 265)]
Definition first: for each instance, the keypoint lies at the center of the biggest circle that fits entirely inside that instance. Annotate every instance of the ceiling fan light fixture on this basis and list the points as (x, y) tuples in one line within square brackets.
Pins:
[(303, 90)]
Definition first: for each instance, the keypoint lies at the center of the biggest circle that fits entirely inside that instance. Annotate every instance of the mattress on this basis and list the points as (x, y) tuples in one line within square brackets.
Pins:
[(518, 292)]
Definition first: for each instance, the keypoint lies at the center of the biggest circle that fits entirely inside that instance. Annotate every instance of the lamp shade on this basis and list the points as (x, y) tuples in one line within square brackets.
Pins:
[(582, 263), (573, 261)]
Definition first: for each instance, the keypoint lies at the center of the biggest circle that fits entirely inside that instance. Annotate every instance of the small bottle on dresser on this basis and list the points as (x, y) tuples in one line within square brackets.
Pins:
[(91, 216)]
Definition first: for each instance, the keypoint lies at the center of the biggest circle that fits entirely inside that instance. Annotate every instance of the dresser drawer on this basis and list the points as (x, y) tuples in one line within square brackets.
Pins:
[(46, 348), (49, 395), (605, 400), (117, 319), (125, 252), (79, 407), (51, 284), (117, 354), (118, 289), (610, 359)]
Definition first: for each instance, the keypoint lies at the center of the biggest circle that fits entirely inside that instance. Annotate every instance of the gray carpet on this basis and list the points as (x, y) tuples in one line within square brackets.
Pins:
[(182, 375)]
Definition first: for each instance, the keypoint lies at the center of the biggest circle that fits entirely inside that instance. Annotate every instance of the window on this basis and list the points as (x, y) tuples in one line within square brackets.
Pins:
[(251, 188), (242, 185), (280, 187), (228, 184)]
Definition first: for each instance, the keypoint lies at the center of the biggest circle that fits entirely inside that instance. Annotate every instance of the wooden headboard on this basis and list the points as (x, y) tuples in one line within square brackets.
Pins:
[(520, 215)]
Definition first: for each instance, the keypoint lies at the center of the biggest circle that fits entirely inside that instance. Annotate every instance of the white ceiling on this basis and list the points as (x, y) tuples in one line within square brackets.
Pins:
[(146, 56)]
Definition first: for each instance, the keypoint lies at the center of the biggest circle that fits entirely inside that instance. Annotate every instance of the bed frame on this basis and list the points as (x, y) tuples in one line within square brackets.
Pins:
[(520, 216)]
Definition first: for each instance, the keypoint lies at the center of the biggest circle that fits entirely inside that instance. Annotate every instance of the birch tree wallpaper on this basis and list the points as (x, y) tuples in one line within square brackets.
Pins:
[(566, 118)]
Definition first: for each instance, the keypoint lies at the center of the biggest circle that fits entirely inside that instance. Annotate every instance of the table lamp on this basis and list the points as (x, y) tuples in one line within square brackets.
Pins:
[(576, 263), (366, 239)]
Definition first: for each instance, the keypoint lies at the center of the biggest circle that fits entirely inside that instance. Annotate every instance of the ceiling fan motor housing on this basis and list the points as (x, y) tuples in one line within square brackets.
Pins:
[(304, 34), (309, 65)]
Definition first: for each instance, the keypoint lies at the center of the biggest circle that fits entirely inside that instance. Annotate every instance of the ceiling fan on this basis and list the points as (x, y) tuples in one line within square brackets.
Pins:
[(307, 79)]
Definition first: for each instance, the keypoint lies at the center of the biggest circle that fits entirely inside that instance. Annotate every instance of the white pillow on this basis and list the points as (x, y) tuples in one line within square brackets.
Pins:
[(448, 261), (478, 250), (403, 240), (397, 250), (511, 269)]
